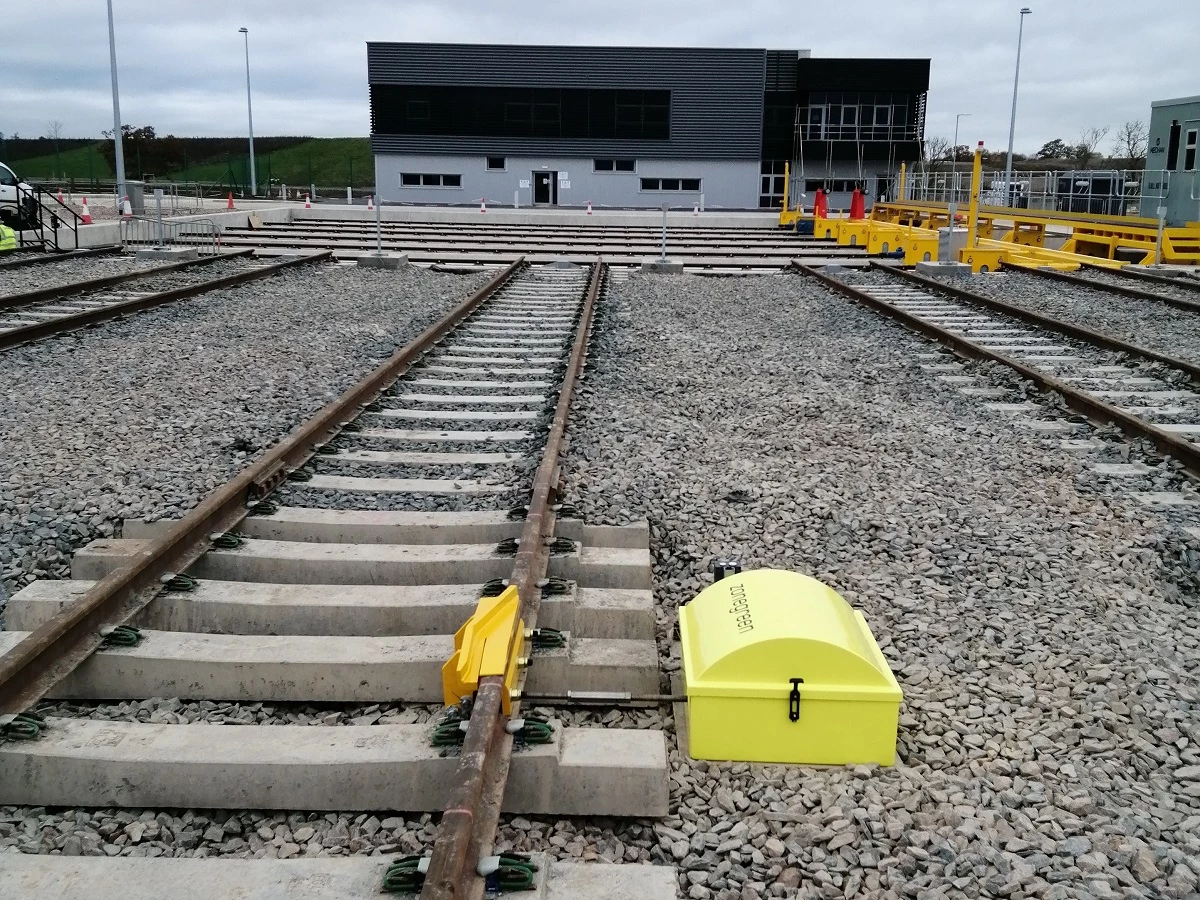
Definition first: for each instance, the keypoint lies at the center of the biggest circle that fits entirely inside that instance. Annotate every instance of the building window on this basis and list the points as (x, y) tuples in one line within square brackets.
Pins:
[(614, 165), (422, 179), (496, 162), (1189, 152), (670, 184), (859, 116), (471, 111), (830, 185)]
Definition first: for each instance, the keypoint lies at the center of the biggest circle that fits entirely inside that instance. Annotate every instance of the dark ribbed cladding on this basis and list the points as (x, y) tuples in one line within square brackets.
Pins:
[(716, 94)]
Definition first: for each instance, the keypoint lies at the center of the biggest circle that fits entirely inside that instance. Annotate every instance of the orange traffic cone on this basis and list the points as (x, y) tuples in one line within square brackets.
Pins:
[(370, 203), (483, 204), (85, 217), (126, 207), (589, 212), (60, 197), (229, 202), (307, 202)]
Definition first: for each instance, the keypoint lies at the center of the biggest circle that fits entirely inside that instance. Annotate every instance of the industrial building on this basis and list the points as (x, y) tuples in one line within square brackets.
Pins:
[(1171, 160), (636, 126)]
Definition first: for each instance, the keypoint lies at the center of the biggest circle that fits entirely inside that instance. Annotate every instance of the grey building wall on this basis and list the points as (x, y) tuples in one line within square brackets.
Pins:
[(716, 94), (730, 184), (1181, 183)]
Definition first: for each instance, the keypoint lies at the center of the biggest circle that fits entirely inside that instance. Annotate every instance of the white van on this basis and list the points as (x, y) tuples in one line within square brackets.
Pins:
[(9, 184)]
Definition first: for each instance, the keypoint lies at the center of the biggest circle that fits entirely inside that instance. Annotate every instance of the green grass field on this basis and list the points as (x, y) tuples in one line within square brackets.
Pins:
[(324, 161)]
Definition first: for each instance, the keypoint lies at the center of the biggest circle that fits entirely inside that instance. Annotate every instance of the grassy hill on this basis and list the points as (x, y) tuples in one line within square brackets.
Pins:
[(323, 161)]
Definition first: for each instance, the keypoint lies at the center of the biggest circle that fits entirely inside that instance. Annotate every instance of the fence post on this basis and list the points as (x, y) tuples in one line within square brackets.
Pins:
[(158, 199)]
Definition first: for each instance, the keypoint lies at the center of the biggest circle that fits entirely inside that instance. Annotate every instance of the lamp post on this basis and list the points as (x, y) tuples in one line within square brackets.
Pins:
[(249, 112), (954, 170), (118, 150), (1012, 123)]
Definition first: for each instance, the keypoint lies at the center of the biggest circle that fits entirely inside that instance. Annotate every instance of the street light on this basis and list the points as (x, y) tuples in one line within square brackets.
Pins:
[(249, 112), (119, 153), (1012, 124), (954, 170)]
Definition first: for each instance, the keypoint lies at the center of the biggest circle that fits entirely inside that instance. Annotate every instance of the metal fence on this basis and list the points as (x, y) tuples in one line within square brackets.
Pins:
[(1113, 192), (144, 231)]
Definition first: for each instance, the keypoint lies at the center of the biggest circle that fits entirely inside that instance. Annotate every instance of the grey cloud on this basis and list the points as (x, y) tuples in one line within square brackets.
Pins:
[(181, 65)]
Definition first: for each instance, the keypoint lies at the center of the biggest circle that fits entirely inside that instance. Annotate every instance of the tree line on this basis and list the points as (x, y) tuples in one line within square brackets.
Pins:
[(1127, 151)]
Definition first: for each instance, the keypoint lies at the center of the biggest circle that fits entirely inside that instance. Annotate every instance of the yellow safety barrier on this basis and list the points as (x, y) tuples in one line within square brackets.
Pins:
[(481, 649), (779, 668), (853, 232), (918, 244)]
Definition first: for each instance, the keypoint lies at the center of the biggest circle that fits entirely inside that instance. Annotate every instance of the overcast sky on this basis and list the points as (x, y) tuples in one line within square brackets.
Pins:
[(1085, 62)]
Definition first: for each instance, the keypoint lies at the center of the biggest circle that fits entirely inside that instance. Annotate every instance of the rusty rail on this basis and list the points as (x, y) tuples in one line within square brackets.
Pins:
[(49, 257), (1055, 275), (8, 301), (1043, 321), (1095, 410), (31, 668), (472, 814), (51, 327), (1138, 275)]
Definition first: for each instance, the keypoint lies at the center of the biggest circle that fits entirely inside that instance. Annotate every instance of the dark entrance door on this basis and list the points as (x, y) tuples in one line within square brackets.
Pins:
[(544, 188)]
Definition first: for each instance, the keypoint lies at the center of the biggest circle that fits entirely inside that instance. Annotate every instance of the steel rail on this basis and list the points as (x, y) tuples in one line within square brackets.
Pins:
[(39, 661), (94, 284), (51, 327), (1095, 410), (49, 257), (1136, 293), (1041, 320), (1137, 275), (468, 825)]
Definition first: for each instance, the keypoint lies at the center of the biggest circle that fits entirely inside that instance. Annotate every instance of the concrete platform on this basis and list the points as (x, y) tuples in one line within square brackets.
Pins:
[(663, 266), (352, 526), (234, 607), (384, 260), (303, 562), (956, 269), (27, 876), (84, 762), (325, 669)]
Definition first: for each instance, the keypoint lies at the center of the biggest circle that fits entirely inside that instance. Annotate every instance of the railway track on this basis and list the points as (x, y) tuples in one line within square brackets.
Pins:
[(1106, 380), (34, 315), (1172, 291), (756, 249), (38, 259), (335, 570)]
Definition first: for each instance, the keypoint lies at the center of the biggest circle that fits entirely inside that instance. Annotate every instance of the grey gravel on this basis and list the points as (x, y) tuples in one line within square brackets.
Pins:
[(1157, 326), (143, 417), (1179, 291), (32, 278), (1048, 664)]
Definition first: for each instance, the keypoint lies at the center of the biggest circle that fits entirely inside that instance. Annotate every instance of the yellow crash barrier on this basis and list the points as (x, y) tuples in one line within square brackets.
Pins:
[(481, 649), (918, 244), (853, 232), (779, 668)]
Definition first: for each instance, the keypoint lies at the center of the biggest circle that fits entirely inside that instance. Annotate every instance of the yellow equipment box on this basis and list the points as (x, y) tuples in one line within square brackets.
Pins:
[(779, 668)]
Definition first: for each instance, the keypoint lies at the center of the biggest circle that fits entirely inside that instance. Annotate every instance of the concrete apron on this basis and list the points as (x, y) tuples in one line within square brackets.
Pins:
[(302, 562), (330, 878), (324, 669), (231, 607), (86, 762)]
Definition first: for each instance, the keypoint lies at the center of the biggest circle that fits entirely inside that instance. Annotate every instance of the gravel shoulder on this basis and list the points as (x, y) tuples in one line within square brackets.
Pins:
[(1043, 635), (1157, 326), (145, 416), (21, 280)]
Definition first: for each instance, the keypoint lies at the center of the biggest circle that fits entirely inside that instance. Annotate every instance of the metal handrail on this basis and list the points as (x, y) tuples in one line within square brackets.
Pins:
[(146, 231)]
